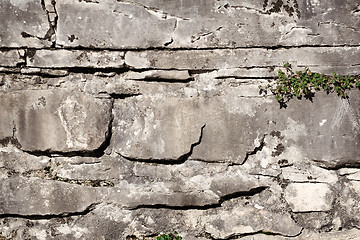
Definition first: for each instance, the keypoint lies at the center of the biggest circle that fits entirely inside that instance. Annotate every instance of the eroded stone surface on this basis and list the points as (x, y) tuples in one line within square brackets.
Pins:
[(55, 120), (128, 119), (307, 197), (11, 58), (75, 58), (188, 24), (233, 58), (24, 24), (42, 197)]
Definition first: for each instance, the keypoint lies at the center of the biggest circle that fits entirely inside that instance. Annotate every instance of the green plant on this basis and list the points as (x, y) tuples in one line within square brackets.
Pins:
[(169, 236), (304, 84)]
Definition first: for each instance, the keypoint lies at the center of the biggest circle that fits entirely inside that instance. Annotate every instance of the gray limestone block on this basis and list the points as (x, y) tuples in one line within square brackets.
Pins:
[(190, 184), (108, 221), (297, 195), (143, 130), (124, 24), (326, 130), (21, 196), (24, 24), (242, 220), (14, 161), (189, 24), (75, 58), (183, 126), (55, 120), (238, 125), (325, 57), (11, 58)]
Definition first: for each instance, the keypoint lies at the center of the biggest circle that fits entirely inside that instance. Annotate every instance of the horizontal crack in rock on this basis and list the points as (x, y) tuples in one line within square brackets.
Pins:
[(88, 209), (222, 199), (123, 95)]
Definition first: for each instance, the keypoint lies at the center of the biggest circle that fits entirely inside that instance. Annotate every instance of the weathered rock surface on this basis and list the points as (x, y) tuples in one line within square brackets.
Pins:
[(174, 24), (42, 197), (243, 57), (75, 58), (12, 58), (130, 119), (297, 195), (151, 132), (24, 24), (55, 120)]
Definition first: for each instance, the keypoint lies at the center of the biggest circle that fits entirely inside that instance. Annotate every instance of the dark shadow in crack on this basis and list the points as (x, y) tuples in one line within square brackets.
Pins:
[(222, 199), (88, 209)]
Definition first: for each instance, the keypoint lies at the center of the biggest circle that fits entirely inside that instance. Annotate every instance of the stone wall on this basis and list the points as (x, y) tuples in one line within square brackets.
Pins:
[(127, 119)]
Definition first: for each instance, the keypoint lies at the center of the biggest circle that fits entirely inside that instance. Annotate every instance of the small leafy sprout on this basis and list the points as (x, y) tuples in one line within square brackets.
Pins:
[(169, 236), (304, 84)]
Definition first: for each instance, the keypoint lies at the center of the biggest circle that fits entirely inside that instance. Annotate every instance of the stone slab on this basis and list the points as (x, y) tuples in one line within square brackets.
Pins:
[(247, 220), (143, 130), (236, 120), (189, 24), (310, 174), (298, 197), (192, 183), (325, 57), (23, 24), (75, 58), (42, 197), (159, 75), (55, 120), (135, 25), (11, 58)]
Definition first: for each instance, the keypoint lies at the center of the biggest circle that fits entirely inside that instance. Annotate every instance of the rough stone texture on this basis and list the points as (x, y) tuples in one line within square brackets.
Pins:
[(297, 195), (12, 58), (55, 120), (129, 119), (24, 24), (206, 24), (42, 197), (234, 58), (75, 58)]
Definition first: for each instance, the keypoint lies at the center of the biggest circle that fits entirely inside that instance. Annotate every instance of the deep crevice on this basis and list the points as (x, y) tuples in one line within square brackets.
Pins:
[(177, 161), (273, 47), (93, 70), (123, 95), (163, 80), (88, 209), (222, 199)]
